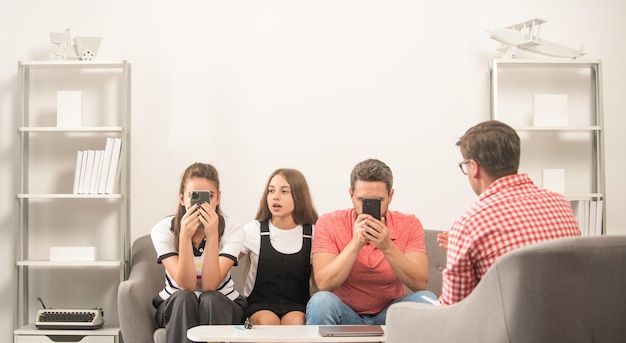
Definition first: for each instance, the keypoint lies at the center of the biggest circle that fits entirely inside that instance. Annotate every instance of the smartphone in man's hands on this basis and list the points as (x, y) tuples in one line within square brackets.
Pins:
[(371, 206), (199, 197)]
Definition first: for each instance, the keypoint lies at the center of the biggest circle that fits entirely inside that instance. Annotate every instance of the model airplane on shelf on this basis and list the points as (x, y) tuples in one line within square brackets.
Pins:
[(525, 36)]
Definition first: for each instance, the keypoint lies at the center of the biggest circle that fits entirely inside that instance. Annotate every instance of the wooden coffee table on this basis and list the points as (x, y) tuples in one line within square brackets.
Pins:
[(269, 333)]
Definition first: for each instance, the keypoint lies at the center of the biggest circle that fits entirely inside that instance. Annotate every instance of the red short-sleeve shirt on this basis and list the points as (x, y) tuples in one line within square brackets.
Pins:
[(371, 284)]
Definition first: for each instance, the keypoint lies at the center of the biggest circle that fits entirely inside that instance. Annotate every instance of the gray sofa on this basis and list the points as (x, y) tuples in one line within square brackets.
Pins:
[(568, 290), (135, 311)]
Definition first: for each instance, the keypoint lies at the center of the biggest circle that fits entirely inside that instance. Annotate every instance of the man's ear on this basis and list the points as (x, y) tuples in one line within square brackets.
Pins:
[(475, 172)]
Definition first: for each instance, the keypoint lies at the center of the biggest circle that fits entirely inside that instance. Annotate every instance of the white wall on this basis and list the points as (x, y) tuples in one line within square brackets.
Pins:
[(251, 86)]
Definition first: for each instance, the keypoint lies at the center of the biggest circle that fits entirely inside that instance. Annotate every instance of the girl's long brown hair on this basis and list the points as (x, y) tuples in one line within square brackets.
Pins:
[(304, 211)]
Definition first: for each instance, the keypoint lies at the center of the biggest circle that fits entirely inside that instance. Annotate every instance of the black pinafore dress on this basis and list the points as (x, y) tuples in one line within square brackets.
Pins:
[(282, 280)]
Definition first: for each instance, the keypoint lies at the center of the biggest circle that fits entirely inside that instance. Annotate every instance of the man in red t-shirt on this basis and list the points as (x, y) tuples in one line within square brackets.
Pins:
[(362, 264), (510, 212)]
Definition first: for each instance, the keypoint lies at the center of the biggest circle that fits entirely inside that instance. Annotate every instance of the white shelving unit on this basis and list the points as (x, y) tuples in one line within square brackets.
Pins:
[(51, 215), (576, 146)]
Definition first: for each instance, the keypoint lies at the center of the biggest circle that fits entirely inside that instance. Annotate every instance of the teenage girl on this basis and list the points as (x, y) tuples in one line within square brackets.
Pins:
[(278, 243), (197, 259)]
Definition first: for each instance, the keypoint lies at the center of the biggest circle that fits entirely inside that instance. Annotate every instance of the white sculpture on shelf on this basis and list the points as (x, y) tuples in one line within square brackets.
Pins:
[(84, 48), (525, 36), (58, 51)]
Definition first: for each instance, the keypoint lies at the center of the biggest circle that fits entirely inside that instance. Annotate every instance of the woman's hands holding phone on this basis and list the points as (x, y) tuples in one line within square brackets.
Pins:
[(200, 216), (189, 223), (209, 219)]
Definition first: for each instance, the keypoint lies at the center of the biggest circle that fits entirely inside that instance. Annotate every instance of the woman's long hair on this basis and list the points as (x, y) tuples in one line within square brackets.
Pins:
[(304, 211)]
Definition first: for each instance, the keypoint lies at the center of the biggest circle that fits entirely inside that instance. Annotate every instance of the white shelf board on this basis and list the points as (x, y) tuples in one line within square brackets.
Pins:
[(68, 196), (73, 64), (47, 263), (558, 128), (70, 129), (583, 196), (546, 63)]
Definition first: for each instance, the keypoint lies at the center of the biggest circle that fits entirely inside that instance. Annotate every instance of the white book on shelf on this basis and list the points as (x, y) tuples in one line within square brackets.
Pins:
[(576, 208), (550, 110), (106, 162), (83, 170), (93, 185), (113, 173), (574, 205), (593, 207), (95, 190), (69, 108), (554, 180), (79, 163), (581, 210), (599, 217), (585, 217), (91, 156)]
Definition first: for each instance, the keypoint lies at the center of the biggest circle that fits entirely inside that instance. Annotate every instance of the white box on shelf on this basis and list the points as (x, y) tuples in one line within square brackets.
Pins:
[(550, 110), (69, 108), (554, 180), (58, 254)]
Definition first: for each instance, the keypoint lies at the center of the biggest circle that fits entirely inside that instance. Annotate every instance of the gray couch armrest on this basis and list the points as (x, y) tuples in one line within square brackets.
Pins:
[(436, 261), (441, 324), (135, 310), (562, 290)]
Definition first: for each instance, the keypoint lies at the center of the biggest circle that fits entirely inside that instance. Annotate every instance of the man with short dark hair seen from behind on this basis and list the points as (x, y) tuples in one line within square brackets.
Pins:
[(510, 212)]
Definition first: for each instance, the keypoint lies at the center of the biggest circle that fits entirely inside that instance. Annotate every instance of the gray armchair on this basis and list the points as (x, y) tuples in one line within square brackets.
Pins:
[(134, 297), (146, 278), (567, 290)]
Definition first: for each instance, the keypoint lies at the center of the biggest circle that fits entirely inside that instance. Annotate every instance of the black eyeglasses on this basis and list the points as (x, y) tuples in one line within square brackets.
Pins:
[(463, 165)]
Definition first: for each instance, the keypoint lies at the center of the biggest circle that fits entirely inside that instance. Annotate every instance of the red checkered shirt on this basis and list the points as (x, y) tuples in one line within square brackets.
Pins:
[(511, 213)]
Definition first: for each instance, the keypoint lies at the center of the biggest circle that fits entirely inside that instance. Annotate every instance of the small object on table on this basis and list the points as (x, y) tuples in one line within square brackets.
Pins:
[(248, 324)]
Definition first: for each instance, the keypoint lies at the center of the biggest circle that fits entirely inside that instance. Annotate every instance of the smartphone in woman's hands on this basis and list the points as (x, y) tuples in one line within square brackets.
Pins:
[(199, 197)]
